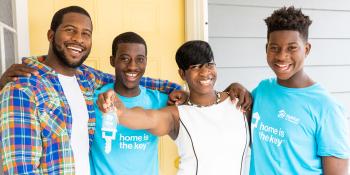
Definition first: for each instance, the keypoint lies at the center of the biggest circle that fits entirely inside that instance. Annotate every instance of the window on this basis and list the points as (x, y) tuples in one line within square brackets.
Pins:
[(13, 32)]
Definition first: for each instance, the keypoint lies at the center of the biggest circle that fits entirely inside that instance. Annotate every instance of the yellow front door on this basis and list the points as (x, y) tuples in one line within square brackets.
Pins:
[(160, 22)]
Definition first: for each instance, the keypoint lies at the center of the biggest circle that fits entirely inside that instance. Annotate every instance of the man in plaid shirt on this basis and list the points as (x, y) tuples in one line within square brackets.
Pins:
[(42, 126)]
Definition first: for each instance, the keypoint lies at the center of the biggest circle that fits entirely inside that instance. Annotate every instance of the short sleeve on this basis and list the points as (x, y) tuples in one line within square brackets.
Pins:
[(332, 135)]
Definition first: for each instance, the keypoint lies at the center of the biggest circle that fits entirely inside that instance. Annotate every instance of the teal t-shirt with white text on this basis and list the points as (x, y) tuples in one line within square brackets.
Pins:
[(134, 152), (293, 128)]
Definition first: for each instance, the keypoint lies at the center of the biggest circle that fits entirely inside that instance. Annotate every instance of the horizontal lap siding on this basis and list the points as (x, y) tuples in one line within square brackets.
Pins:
[(327, 76), (250, 52), (245, 21), (237, 34), (334, 5)]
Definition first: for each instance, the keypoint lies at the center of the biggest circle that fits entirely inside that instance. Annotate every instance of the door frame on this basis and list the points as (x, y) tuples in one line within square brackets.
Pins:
[(196, 20)]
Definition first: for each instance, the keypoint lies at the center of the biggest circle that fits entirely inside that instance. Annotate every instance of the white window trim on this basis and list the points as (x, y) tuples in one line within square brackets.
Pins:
[(196, 20), (20, 29), (2, 42), (22, 26)]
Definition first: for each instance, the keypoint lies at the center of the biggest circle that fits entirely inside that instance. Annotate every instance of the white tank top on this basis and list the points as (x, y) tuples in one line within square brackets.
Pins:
[(217, 135)]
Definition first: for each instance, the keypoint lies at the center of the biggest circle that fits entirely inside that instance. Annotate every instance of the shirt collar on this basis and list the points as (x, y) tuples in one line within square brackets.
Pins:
[(36, 62)]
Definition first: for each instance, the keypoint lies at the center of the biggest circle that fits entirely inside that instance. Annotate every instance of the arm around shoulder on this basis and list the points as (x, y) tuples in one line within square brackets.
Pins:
[(97, 77), (164, 86)]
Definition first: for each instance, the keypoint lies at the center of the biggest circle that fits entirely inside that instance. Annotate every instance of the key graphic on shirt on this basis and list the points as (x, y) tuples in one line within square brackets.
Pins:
[(256, 118), (254, 122), (109, 129)]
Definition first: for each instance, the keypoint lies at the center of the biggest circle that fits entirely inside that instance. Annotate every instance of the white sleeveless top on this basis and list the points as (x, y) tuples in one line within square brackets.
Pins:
[(220, 138)]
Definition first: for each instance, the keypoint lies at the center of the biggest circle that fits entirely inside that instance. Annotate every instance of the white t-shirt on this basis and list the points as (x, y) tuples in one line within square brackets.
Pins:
[(80, 117)]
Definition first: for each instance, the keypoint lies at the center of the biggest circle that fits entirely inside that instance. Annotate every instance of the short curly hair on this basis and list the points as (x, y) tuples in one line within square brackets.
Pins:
[(58, 16), (127, 37), (288, 18)]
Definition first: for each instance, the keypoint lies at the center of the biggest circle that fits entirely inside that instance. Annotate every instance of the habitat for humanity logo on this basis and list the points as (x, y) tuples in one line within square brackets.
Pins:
[(282, 114)]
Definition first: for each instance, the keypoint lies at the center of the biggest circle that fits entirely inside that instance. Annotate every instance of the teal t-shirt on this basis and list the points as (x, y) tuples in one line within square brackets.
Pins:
[(134, 152), (292, 128)]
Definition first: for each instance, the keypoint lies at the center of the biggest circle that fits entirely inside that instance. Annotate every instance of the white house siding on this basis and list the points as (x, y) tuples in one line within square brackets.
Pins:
[(237, 34)]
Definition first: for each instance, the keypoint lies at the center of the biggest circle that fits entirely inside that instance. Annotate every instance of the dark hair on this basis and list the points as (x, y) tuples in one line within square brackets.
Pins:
[(58, 16), (192, 53), (288, 19), (127, 37)]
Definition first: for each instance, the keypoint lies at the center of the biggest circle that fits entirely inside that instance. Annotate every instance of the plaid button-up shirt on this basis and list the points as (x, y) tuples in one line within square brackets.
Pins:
[(36, 122)]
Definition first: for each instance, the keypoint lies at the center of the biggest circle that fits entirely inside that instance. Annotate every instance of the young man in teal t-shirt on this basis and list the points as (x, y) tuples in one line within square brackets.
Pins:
[(297, 127), (133, 152)]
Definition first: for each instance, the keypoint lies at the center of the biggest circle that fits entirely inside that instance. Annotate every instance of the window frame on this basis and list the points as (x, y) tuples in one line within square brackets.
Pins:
[(20, 31), (196, 20)]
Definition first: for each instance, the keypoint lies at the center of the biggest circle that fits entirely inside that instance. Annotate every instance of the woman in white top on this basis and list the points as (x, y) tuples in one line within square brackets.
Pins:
[(211, 134)]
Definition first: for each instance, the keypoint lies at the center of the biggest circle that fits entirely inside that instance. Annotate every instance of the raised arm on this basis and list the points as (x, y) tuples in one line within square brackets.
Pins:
[(237, 91), (164, 86), (158, 122), (20, 132)]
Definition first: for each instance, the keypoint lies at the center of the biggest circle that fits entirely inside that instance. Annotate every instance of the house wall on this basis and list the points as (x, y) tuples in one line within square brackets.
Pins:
[(237, 34)]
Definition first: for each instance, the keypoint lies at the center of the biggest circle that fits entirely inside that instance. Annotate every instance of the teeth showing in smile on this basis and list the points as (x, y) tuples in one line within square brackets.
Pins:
[(282, 66), (205, 82), (132, 75), (75, 49)]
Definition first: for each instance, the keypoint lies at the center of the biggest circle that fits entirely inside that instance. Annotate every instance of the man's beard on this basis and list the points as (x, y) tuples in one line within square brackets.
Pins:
[(60, 55)]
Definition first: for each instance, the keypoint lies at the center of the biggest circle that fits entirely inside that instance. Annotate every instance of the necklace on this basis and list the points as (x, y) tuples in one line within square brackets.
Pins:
[(218, 97)]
